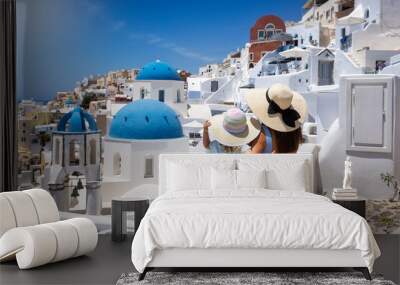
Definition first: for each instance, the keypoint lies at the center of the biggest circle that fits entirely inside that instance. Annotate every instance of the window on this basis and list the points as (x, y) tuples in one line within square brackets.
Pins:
[(214, 86), (142, 93), (74, 153), (270, 26), (270, 30), (57, 149), (93, 146), (366, 14), (117, 164), (251, 56), (261, 35), (148, 167), (161, 95)]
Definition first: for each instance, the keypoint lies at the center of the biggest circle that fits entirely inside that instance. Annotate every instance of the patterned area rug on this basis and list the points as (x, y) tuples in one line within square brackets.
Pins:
[(243, 278)]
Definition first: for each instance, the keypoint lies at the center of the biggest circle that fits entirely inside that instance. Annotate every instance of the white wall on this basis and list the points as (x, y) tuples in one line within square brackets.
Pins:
[(368, 58), (152, 88), (374, 6), (381, 30), (194, 88), (344, 65), (311, 15), (210, 70), (194, 83), (375, 38), (394, 67), (367, 166), (206, 86), (304, 32), (298, 81), (133, 154), (111, 147)]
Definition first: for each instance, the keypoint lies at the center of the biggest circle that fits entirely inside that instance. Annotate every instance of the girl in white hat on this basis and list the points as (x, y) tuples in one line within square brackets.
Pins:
[(282, 112), (230, 131)]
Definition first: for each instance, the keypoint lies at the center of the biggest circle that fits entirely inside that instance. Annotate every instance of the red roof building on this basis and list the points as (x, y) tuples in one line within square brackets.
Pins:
[(261, 37)]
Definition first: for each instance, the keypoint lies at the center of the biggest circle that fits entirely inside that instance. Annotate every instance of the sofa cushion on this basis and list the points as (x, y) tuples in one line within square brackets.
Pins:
[(23, 208), (7, 220), (45, 205), (41, 244)]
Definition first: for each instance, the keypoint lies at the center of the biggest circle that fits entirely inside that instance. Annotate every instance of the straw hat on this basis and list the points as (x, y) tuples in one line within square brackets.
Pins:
[(278, 107), (233, 128)]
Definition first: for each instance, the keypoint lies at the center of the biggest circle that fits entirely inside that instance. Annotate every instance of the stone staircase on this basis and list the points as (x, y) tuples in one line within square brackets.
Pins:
[(354, 59)]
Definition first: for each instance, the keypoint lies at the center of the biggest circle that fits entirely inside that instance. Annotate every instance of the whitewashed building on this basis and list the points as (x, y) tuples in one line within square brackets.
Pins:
[(159, 81), (139, 132)]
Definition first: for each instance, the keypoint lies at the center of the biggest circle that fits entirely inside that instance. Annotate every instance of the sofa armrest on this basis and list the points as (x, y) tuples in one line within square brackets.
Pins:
[(41, 244)]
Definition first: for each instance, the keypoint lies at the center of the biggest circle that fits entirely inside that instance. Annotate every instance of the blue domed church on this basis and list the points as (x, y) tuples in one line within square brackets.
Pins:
[(76, 152), (139, 132), (159, 81)]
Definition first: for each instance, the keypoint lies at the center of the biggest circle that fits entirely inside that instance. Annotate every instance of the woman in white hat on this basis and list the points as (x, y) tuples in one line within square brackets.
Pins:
[(230, 131), (282, 112)]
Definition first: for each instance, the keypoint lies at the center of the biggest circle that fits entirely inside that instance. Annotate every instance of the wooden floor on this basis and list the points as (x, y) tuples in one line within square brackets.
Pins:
[(110, 260)]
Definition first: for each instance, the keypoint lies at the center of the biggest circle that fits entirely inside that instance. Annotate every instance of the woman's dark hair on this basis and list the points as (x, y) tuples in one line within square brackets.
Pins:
[(286, 142)]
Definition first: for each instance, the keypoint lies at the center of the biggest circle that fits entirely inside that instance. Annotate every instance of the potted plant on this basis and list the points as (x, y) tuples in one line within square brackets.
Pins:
[(392, 182)]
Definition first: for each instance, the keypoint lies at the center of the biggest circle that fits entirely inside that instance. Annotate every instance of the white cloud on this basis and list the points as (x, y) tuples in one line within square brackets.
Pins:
[(93, 8), (118, 25), (155, 40)]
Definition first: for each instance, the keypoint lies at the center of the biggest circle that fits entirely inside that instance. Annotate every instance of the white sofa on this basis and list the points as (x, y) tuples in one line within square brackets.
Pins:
[(31, 231)]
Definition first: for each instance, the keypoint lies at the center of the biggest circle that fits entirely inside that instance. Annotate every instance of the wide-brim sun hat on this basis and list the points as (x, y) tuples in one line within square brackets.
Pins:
[(234, 128), (278, 107)]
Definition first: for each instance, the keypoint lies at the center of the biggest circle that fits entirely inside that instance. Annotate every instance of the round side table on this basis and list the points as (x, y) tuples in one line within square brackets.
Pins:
[(119, 206)]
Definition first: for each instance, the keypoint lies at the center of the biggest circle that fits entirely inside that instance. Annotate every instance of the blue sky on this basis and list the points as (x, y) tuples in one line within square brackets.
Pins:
[(63, 41)]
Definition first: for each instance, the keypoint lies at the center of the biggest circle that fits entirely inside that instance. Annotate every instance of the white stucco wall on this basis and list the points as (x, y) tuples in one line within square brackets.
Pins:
[(298, 81), (375, 38), (133, 154), (368, 58), (344, 65), (374, 7), (394, 67), (380, 30), (152, 88), (304, 32), (367, 166), (194, 83)]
